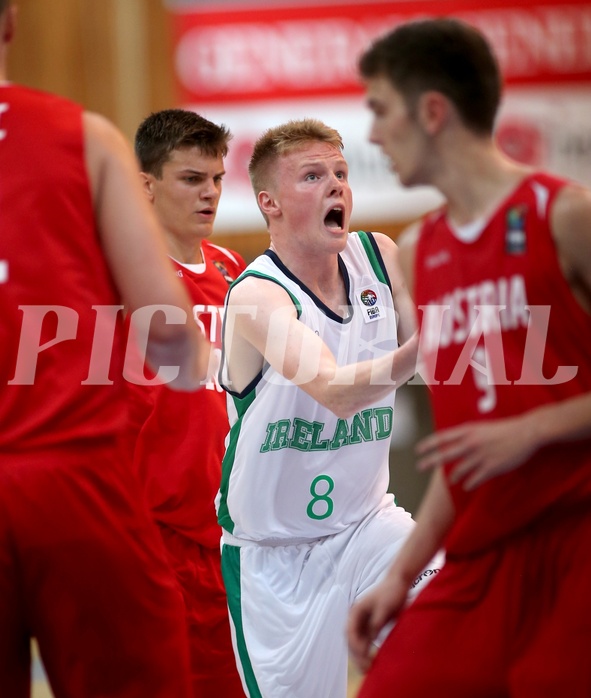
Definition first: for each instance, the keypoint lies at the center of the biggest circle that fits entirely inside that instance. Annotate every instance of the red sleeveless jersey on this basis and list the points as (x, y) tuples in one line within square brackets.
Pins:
[(178, 437), (501, 334), (52, 273)]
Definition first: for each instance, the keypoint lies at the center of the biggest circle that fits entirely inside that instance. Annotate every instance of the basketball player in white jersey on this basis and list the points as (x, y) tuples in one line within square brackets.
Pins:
[(312, 360)]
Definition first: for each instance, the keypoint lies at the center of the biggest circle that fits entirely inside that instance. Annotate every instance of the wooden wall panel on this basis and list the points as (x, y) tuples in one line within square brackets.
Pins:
[(66, 46), (112, 56), (159, 47)]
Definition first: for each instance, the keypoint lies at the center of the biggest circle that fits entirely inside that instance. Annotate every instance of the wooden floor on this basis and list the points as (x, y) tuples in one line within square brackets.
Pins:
[(354, 682), (41, 690)]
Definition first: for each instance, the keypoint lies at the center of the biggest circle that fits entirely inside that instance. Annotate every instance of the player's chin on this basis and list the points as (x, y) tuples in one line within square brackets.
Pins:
[(337, 239), (205, 230)]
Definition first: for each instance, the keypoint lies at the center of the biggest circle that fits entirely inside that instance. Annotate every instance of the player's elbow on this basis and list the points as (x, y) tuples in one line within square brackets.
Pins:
[(343, 406)]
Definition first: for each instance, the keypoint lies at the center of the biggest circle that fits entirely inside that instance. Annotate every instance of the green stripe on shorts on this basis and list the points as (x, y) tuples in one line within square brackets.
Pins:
[(231, 575)]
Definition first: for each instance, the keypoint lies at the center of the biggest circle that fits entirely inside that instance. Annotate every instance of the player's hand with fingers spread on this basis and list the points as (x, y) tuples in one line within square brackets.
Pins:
[(370, 614), (482, 450)]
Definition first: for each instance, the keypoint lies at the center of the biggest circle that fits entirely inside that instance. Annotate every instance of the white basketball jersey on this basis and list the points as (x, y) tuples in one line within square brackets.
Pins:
[(293, 469)]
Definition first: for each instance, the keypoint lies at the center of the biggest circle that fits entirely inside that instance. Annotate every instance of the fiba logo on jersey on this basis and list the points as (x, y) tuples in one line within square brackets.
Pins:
[(515, 239), (368, 297)]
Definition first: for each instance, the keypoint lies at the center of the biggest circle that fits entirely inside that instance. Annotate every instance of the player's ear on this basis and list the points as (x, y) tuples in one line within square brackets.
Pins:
[(433, 111), (268, 204), (147, 181)]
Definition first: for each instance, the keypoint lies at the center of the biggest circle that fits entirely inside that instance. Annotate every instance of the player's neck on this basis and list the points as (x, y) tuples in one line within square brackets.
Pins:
[(320, 274), (185, 251), (475, 183)]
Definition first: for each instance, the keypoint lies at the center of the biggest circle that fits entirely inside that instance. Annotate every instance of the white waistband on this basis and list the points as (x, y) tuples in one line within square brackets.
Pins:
[(229, 539)]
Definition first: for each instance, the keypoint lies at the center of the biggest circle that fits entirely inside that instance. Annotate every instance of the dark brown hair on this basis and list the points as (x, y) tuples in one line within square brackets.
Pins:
[(173, 129), (445, 55)]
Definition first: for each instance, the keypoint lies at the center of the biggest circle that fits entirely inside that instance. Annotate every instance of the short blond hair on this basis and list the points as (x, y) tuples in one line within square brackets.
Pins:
[(286, 138)]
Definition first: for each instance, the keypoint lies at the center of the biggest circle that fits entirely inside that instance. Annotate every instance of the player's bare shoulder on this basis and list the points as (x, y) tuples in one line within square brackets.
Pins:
[(570, 220), (407, 243), (389, 251), (106, 152), (256, 310), (101, 136), (256, 304), (256, 291)]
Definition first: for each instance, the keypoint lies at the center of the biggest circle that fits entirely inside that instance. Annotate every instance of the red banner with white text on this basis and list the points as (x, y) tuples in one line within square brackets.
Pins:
[(252, 52), (253, 67)]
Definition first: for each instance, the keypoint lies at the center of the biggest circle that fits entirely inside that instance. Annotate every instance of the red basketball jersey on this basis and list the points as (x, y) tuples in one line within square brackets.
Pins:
[(502, 333), (179, 436), (54, 281)]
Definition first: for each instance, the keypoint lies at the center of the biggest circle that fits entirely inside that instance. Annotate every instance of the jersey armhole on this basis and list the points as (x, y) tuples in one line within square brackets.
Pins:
[(267, 277), (221, 372), (375, 257)]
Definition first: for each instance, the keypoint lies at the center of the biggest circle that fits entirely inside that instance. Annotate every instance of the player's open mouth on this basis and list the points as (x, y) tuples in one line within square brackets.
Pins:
[(334, 218)]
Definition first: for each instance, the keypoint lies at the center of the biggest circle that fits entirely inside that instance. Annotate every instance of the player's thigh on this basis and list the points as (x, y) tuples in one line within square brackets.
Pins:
[(198, 573), (373, 548), (287, 609), (103, 602), (556, 660)]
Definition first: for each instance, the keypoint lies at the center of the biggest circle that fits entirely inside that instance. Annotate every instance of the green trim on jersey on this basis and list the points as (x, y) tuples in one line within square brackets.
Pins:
[(372, 257), (231, 575), (241, 405), (260, 275)]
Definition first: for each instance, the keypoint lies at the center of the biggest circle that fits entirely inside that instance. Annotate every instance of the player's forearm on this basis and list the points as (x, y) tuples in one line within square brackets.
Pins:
[(348, 389), (433, 521), (568, 420)]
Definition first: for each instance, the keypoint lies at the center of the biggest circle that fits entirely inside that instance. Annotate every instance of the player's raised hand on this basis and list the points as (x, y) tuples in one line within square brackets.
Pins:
[(481, 450)]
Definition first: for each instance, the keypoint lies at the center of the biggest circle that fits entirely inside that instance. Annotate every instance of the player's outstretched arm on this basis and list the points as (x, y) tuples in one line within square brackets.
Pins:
[(135, 253), (262, 325), (382, 605)]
